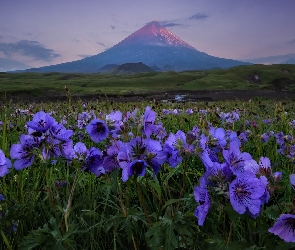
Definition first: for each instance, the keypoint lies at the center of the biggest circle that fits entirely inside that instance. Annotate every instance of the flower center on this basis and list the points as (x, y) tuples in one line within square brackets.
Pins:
[(137, 167)]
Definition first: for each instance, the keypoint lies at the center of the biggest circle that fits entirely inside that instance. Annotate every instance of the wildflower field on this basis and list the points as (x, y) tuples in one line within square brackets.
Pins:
[(90, 175)]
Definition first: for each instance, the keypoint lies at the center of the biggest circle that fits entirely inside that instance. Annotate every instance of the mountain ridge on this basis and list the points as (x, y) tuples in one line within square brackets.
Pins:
[(151, 45)]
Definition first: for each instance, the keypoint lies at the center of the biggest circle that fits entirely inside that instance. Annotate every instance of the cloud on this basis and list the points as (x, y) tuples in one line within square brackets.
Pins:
[(169, 24), (172, 23), (31, 49), (292, 41), (76, 40), (198, 16), (101, 44), (113, 27)]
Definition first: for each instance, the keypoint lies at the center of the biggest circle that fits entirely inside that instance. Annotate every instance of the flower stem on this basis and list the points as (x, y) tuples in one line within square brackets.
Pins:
[(67, 212), (52, 205), (183, 182), (5, 240), (230, 232), (125, 214), (142, 202)]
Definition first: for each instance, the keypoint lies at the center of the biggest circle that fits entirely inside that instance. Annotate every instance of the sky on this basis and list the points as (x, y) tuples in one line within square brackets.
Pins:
[(47, 32)]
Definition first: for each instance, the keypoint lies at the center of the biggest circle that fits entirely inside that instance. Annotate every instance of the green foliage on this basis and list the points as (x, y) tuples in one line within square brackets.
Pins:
[(49, 237)]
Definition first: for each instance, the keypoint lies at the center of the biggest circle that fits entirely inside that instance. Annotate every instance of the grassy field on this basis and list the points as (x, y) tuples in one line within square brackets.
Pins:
[(254, 77)]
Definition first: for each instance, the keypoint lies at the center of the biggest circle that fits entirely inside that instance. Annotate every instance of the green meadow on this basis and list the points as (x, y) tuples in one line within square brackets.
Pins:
[(254, 77)]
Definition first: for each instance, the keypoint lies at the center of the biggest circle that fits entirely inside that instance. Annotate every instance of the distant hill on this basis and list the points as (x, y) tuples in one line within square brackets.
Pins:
[(151, 45), (108, 67), (155, 68), (272, 59), (289, 61), (131, 68)]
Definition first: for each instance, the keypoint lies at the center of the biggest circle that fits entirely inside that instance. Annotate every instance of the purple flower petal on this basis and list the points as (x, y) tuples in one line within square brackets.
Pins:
[(97, 130), (284, 227)]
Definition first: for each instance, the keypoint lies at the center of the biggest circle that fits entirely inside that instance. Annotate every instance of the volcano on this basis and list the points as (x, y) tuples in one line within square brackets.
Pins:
[(152, 45)]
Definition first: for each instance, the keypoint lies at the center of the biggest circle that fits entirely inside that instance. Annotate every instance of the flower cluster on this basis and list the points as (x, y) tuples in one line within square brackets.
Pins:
[(135, 144), (242, 181)]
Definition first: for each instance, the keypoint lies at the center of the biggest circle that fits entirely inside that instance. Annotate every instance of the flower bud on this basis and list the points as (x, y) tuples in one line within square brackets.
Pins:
[(277, 176)]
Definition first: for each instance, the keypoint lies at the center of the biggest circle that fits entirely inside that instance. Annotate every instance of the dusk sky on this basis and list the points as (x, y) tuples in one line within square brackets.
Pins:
[(39, 32)]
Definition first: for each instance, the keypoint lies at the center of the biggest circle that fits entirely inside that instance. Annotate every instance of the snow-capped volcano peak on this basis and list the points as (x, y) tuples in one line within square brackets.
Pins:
[(154, 34)]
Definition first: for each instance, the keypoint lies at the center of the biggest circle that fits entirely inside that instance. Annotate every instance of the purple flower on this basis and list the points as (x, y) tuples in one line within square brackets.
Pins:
[(173, 157), (193, 135), (114, 120), (147, 149), (124, 161), (176, 112), (2, 198), (267, 121), (160, 131), (207, 160), (292, 180), (24, 151), (166, 111), (280, 138), (292, 124), (5, 164), (243, 137), (110, 161), (265, 197), (57, 148), (41, 122), (137, 147), (229, 117), (80, 151), (245, 193), (265, 167), (235, 158), (265, 137), (155, 154), (94, 161), (59, 132), (218, 134), (251, 166), (178, 141), (218, 175), (277, 176), (284, 227), (189, 111), (291, 152), (97, 130), (137, 167), (89, 159), (148, 121), (115, 116), (201, 195)]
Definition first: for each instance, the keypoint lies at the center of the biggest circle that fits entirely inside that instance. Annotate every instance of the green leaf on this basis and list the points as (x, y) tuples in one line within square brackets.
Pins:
[(156, 186), (232, 214)]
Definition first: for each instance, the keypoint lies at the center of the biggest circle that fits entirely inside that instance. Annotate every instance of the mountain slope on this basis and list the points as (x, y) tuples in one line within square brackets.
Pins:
[(151, 45)]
